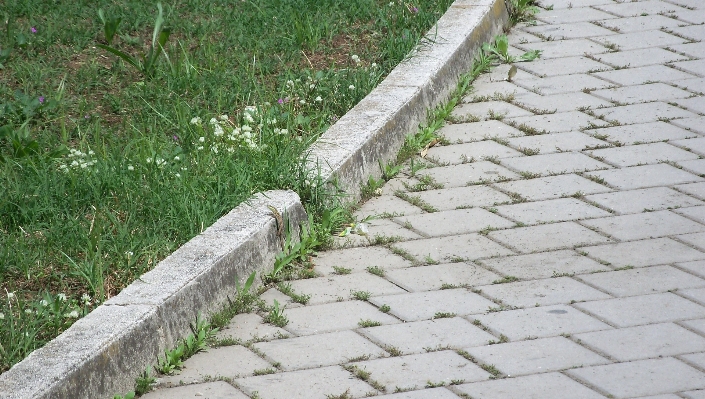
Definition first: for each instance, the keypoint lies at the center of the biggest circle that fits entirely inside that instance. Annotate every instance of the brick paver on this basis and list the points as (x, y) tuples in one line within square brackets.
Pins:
[(561, 254)]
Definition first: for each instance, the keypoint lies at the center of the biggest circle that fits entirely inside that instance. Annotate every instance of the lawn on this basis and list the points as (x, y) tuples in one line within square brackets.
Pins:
[(106, 167)]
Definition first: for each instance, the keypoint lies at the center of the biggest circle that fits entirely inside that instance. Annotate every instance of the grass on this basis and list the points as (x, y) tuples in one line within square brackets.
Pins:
[(107, 168)]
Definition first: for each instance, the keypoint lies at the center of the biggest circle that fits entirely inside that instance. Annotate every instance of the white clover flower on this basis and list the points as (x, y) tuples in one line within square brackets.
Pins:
[(10, 295), (318, 99), (2, 316), (218, 130), (85, 297), (231, 137), (277, 130), (149, 160), (231, 150), (202, 139), (246, 128), (284, 131), (355, 58), (177, 158), (248, 117), (62, 297), (83, 165), (290, 83), (73, 314), (391, 4), (302, 102), (130, 168), (223, 117), (312, 86), (184, 168), (351, 87), (90, 152), (177, 175), (43, 302), (196, 121), (213, 121), (28, 311), (200, 147), (374, 65), (160, 162), (129, 253), (63, 167), (74, 163), (214, 150)]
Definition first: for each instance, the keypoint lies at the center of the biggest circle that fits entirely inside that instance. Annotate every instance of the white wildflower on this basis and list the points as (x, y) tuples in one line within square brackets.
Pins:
[(90, 152), (202, 139), (374, 65), (351, 87), (284, 131), (248, 117), (277, 130), (318, 99), (302, 102), (130, 167), (290, 83), (177, 175), (356, 59), (149, 160), (246, 128), (177, 158), (73, 314), (218, 130), (44, 302), (28, 311), (10, 295), (214, 150), (74, 163), (223, 117), (85, 297), (2, 316), (62, 297), (312, 86), (213, 121), (196, 121), (200, 147), (160, 162)]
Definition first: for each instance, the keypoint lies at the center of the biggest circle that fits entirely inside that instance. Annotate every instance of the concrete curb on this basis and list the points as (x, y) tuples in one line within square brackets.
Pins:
[(103, 353)]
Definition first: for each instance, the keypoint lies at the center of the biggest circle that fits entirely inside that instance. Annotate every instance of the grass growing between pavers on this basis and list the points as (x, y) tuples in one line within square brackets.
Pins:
[(109, 160)]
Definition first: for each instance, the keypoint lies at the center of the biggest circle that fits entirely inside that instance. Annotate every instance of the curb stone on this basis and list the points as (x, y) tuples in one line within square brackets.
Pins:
[(102, 353)]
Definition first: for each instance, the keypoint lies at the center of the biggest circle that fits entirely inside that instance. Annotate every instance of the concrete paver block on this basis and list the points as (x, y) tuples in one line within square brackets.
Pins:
[(420, 336), (469, 152), (331, 288), (568, 31), (641, 23), (445, 249), (696, 50), (578, 3), (637, 201), (694, 32), (697, 240), (564, 102), (565, 84), (552, 187), (700, 394), (211, 390), (646, 112), (463, 197), (387, 204), (433, 277), (637, 40), (696, 85), (358, 259), (642, 93), (559, 163), (694, 16), (563, 48), (415, 371), (493, 90), (455, 222), (642, 342), (386, 228), (657, 251), (691, 124), (643, 377), (695, 189), (639, 58), (644, 74), (645, 225), (537, 386), (469, 173), (305, 384), (696, 267), (696, 145), (547, 237), (696, 67), (564, 16), (540, 322), (227, 361), (477, 131), (544, 264), (318, 350), (536, 356), (337, 316), (645, 176), (433, 393), (635, 9), (644, 132), (643, 280), (248, 326), (558, 122), (695, 166), (698, 359), (551, 291), (486, 110), (557, 142), (557, 210), (563, 66), (643, 309), (694, 294), (424, 305)]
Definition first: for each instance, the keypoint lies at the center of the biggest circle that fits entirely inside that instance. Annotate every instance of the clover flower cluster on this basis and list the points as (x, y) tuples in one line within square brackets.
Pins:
[(222, 134), (77, 160)]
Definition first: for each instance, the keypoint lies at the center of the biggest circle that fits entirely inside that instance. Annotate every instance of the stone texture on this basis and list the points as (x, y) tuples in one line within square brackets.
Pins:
[(454, 222), (468, 152), (493, 90), (696, 267), (557, 142), (641, 23), (358, 259), (249, 326), (552, 187), (637, 201), (387, 204), (642, 93), (558, 210), (644, 280), (333, 317), (536, 386), (331, 288), (558, 122), (424, 305), (640, 113), (564, 84), (552, 291), (637, 40), (559, 163), (488, 110), (696, 145), (644, 253), (563, 48), (695, 166), (636, 9), (695, 189), (645, 176), (433, 393), (212, 390), (643, 132), (466, 246), (697, 240), (645, 225), (544, 264), (563, 16), (433, 277), (562, 66), (463, 197), (469, 173), (476, 131), (569, 31), (547, 237)]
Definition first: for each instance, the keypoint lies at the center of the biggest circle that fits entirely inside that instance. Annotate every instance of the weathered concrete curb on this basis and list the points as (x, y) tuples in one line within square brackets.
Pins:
[(103, 353), (375, 128)]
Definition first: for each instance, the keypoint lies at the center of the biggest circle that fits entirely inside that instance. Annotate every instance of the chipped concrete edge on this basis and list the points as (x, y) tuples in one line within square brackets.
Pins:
[(102, 354)]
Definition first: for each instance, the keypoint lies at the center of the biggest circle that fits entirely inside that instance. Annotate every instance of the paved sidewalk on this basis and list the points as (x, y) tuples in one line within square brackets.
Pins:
[(563, 257)]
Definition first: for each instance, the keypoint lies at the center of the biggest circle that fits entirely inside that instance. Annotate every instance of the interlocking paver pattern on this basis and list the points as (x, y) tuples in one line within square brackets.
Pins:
[(562, 247)]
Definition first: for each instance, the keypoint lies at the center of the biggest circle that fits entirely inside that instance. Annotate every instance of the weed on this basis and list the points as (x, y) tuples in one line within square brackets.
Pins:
[(443, 315), (276, 315), (389, 171), (360, 295), (502, 339), (499, 50), (385, 308), (446, 286), (264, 371), (521, 10), (529, 175), (344, 395), (529, 151), (490, 368), (506, 279), (144, 382), (430, 384), (341, 270), (286, 289), (368, 323), (465, 354), (417, 201), (376, 270), (393, 351)]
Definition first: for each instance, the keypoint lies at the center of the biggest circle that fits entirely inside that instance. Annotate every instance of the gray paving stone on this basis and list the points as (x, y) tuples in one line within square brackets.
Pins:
[(558, 122), (640, 378), (463, 197), (643, 309), (695, 189), (318, 350), (557, 210), (459, 221), (644, 75), (564, 16), (695, 212), (646, 112), (486, 110), (696, 240), (330, 317), (557, 142), (217, 362), (212, 390), (445, 249), (305, 384), (568, 31), (499, 73), (433, 277), (470, 152), (637, 201), (700, 394), (640, 23), (563, 48), (552, 187), (644, 253), (645, 225), (331, 288), (559, 163), (397, 184), (565, 84), (417, 306), (578, 3), (537, 386), (643, 280), (420, 336), (638, 40), (544, 264), (433, 393), (644, 132), (696, 267), (696, 67), (696, 85), (696, 145), (552, 291), (274, 294), (697, 325), (249, 326), (477, 131), (695, 32), (536, 356), (559, 102), (694, 294), (563, 66), (642, 93), (631, 9), (384, 228), (642, 154), (493, 90), (415, 371), (692, 16), (693, 104), (358, 259), (540, 322), (645, 176), (696, 166), (639, 57), (469, 173), (696, 50), (547, 237), (388, 204)]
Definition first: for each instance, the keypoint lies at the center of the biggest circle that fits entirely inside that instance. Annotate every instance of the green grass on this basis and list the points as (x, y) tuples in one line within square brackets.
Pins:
[(102, 173)]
